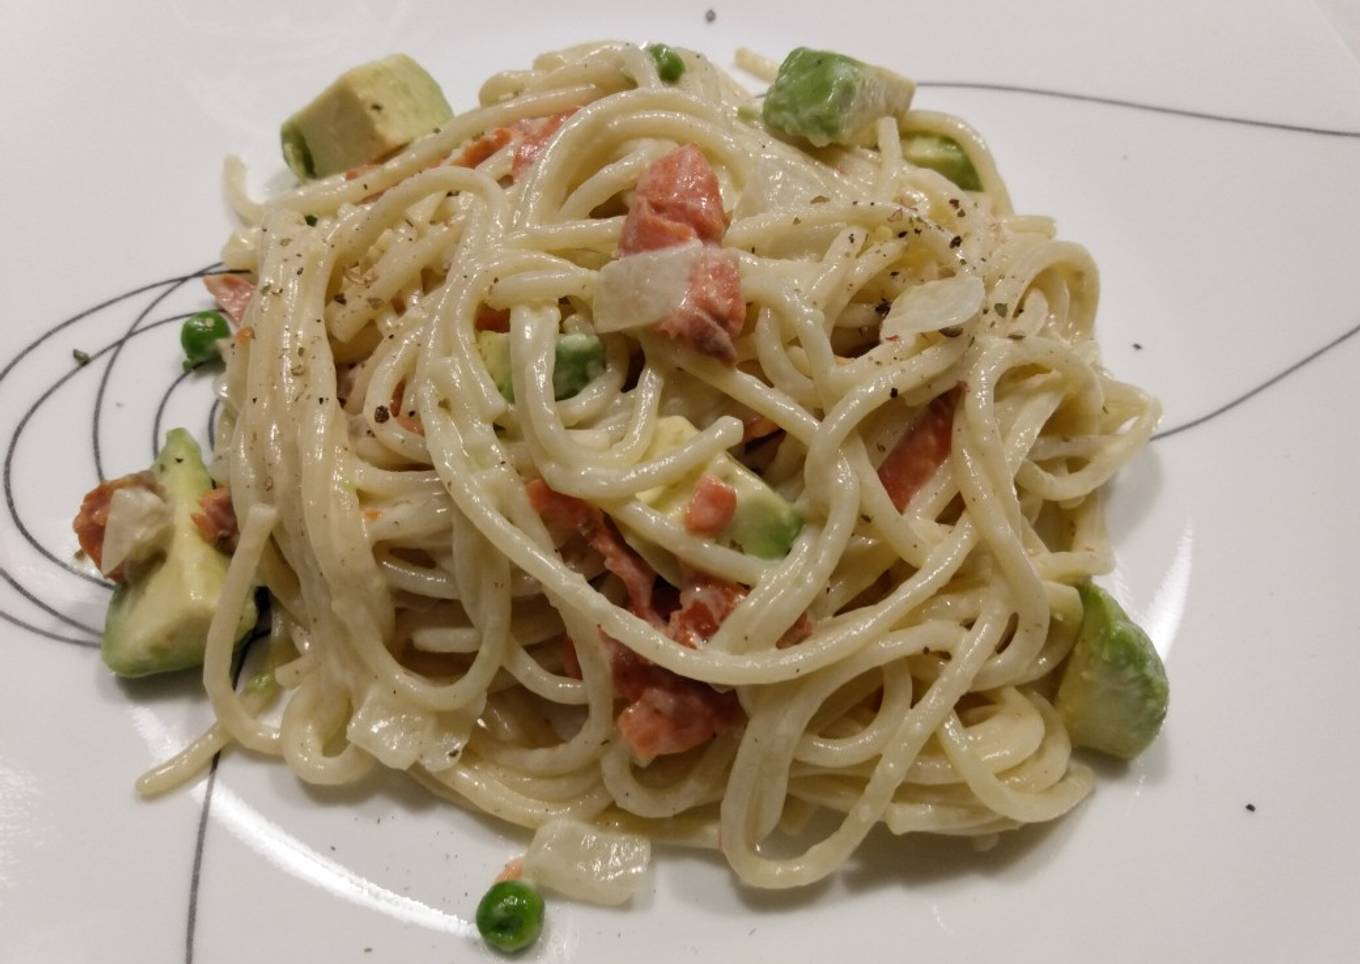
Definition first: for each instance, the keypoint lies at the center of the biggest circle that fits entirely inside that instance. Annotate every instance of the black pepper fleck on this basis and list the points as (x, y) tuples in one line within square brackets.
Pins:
[(1251, 808), (710, 15), (381, 414), (955, 241), (82, 357)]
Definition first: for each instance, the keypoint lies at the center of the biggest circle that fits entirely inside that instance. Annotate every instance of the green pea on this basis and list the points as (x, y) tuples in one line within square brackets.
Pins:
[(669, 66), (199, 337), (510, 916)]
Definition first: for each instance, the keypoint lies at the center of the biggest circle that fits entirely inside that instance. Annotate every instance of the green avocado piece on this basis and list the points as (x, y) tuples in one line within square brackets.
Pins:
[(363, 116), (829, 98), (1114, 692), (578, 360), (942, 154), (295, 152), (158, 620), (764, 524)]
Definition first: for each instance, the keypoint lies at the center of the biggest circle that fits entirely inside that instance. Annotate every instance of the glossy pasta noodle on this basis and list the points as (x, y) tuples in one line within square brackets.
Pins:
[(895, 666)]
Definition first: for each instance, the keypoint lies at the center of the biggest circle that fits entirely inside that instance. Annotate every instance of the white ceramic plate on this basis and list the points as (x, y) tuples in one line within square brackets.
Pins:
[(1232, 287)]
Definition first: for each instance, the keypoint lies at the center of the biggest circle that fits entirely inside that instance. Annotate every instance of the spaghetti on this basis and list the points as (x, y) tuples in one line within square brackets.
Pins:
[(492, 595)]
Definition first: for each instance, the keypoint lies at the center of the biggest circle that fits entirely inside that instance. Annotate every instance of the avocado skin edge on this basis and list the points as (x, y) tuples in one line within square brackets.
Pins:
[(1114, 692)]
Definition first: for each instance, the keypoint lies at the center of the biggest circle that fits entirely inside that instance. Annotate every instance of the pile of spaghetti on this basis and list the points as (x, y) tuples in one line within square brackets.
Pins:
[(541, 598)]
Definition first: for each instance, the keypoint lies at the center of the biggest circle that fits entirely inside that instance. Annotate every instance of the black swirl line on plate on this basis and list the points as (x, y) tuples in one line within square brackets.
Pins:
[(33, 346), (12, 507), (1137, 105), (172, 283), (39, 631), (55, 613), (201, 834), (19, 429), (160, 412), (12, 504), (212, 423), (113, 360), (85, 313), (1257, 390), (196, 873)]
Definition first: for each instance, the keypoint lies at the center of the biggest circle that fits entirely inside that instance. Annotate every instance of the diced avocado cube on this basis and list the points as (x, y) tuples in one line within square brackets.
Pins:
[(295, 151), (942, 154), (366, 114), (764, 524), (578, 360), (829, 98), (158, 620), (1114, 692)]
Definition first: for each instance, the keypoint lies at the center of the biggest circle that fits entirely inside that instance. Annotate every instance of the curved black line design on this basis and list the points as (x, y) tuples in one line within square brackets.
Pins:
[(32, 597), (170, 284), (31, 346), (55, 637), (19, 431), (1136, 105), (1252, 393), (113, 359), (196, 872), (191, 918), (212, 423), (160, 412)]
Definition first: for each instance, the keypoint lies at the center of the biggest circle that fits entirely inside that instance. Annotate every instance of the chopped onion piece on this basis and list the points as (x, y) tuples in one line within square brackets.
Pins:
[(138, 527), (641, 289), (389, 730), (935, 305), (400, 734), (588, 863), (451, 731)]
